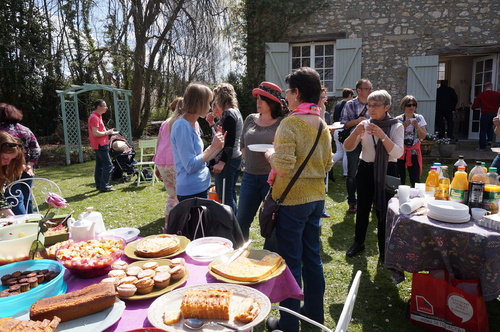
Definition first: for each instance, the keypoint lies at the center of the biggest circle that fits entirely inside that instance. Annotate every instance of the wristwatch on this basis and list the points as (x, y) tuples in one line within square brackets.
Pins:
[(383, 139)]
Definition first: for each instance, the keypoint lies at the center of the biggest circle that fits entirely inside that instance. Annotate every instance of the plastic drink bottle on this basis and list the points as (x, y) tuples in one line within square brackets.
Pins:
[(438, 167), (491, 195), (477, 176), (460, 162), (459, 186), (483, 165), (432, 181), (443, 190)]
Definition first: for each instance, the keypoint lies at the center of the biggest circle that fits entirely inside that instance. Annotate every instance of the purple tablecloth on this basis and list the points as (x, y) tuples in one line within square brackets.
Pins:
[(466, 250), (136, 312)]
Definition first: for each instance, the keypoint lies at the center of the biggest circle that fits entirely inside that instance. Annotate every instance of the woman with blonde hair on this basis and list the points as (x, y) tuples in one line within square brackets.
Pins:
[(192, 173), (11, 165)]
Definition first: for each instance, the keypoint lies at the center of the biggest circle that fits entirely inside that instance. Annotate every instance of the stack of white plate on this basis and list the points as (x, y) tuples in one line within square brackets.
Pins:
[(448, 211)]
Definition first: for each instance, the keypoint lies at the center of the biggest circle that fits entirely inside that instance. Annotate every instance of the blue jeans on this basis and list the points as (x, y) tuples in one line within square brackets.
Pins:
[(103, 167), (486, 129), (203, 194), (252, 192), (22, 193), (496, 163), (298, 234), (352, 169), (231, 172)]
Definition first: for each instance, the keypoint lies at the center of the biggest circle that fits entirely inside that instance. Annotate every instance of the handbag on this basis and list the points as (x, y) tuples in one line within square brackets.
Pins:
[(347, 131), (268, 212), (391, 184)]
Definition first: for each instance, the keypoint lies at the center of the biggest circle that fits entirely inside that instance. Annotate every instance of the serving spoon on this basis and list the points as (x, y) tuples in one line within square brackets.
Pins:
[(196, 324)]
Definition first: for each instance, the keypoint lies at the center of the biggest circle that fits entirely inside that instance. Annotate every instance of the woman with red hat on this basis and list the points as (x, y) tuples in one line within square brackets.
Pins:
[(259, 128)]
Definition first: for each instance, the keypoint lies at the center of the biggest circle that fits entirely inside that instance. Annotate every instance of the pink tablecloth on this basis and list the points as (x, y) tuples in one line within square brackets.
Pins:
[(136, 312)]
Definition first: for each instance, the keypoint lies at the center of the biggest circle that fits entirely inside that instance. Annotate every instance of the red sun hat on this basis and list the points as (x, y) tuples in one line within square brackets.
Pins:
[(269, 90)]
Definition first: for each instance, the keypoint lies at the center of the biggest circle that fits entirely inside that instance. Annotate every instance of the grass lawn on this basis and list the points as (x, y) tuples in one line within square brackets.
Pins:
[(380, 305)]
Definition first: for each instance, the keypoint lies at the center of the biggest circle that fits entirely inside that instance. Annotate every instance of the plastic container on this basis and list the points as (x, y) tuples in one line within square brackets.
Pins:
[(460, 162), (477, 177), (16, 240), (432, 181), (459, 186), (443, 190), (491, 194), (12, 304)]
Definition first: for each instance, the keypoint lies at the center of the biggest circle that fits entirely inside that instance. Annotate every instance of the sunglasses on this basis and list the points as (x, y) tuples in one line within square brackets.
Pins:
[(12, 145), (411, 105)]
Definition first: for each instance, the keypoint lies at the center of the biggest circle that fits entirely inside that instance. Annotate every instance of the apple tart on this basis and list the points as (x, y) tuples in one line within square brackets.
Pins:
[(158, 246)]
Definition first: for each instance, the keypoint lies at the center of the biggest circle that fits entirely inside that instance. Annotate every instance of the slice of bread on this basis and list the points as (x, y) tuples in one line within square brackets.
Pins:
[(248, 269), (247, 311), (172, 317)]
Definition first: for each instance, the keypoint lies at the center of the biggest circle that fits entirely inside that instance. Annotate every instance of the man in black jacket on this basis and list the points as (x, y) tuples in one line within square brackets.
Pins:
[(446, 100)]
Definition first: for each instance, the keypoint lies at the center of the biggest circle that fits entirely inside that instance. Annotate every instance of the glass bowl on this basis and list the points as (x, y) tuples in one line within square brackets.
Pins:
[(92, 257)]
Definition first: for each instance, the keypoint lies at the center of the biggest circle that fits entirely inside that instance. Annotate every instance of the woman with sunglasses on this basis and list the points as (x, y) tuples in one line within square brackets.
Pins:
[(12, 165), (415, 131)]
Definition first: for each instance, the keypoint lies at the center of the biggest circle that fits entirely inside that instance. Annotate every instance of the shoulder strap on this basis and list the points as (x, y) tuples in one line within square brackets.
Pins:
[(297, 174)]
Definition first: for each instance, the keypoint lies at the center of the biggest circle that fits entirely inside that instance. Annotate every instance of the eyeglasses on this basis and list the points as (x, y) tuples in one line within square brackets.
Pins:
[(369, 89), (12, 145), (287, 91), (373, 106), (411, 105)]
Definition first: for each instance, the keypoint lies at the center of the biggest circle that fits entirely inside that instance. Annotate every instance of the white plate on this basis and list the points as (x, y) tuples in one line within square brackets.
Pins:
[(496, 150), (336, 125), (127, 233), (260, 147), (96, 322), (207, 248), (460, 220), (447, 208), (172, 301)]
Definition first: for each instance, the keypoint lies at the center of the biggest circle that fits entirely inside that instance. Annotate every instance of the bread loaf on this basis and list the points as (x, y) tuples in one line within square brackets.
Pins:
[(247, 269), (206, 303), (83, 302)]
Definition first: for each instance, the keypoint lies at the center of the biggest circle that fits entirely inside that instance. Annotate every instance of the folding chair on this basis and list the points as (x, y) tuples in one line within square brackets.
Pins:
[(345, 315), (147, 150)]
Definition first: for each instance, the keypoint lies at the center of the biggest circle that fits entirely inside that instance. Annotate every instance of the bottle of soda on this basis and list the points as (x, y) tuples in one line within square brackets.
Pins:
[(432, 181), (477, 177), (460, 162), (491, 195), (443, 191), (459, 186)]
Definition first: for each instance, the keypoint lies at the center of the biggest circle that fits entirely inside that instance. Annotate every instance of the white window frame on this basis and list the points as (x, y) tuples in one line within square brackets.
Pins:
[(329, 83)]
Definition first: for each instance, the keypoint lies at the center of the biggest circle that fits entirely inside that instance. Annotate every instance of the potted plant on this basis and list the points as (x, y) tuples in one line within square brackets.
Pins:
[(427, 143), (446, 147)]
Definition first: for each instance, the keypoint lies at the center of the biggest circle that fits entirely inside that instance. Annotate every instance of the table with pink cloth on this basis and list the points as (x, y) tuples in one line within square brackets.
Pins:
[(136, 312)]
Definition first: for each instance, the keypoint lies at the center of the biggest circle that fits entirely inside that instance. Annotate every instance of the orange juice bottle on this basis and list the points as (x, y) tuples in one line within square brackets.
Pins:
[(491, 194), (432, 181), (443, 190), (459, 186)]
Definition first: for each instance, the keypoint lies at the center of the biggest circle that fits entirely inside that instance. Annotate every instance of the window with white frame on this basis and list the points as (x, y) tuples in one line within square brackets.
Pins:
[(319, 57)]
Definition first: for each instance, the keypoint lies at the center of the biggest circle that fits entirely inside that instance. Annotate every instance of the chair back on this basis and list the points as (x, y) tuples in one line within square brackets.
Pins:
[(38, 189), (345, 316), (146, 165)]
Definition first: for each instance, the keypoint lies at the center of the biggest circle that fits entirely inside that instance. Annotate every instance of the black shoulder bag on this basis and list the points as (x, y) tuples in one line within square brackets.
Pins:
[(269, 209), (347, 131)]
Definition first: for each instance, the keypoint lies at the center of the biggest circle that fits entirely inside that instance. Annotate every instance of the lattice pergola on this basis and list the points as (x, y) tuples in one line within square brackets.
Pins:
[(71, 119)]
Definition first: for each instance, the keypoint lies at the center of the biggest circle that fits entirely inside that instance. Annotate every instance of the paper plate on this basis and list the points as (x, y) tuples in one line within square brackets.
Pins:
[(452, 220), (207, 248), (260, 147), (450, 209), (127, 233)]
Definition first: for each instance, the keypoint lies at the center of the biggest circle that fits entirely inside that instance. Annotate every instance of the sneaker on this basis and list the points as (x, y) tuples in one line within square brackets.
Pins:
[(352, 209), (325, 215), (480, 149)]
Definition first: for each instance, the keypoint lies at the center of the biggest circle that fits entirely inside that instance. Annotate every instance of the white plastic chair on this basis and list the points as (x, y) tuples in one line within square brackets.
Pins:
[(39, 189), (345, 315), (147, 150)]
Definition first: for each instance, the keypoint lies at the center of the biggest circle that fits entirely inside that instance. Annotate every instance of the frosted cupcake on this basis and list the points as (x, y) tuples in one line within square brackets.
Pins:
[(126, 290)]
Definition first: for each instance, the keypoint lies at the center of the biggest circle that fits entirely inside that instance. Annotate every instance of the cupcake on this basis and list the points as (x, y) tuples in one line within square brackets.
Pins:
[(4, 293), (133, 271), (150, 266), (31, 275), (12, 281), (146, 274), (177, 272), (161, 279), (5, 278), (144, 286), (33, 281), (113, 281), (128, 280), (163, 268), (24, 287), (16, 274), (126, 290), (22, 280), (117, 274), (41, 278), (15, 288), (177, 261), (119, 265)]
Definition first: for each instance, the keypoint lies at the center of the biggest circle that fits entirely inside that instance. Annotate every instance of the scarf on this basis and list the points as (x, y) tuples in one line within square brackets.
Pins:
[(304, 108), (407, 156), (381, 161)]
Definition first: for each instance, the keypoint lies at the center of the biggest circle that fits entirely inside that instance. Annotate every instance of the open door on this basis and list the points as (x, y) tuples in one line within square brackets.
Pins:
[(277, 63), (347, 64), (422, 84)]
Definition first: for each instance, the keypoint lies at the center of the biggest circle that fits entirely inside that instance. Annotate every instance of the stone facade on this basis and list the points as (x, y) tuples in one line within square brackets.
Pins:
[(392, 31)]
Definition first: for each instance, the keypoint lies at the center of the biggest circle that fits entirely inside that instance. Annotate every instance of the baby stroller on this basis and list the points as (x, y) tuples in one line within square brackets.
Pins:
[(122, 155)]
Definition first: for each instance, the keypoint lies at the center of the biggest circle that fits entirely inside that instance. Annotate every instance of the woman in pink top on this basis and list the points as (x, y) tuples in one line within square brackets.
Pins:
[(164, 158)]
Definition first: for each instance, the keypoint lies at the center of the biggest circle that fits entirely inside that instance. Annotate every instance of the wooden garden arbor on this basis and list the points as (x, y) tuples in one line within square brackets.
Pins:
[(71, 119)]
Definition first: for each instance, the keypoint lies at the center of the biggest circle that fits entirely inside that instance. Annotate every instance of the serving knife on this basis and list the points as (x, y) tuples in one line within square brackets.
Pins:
[(238, 252)]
